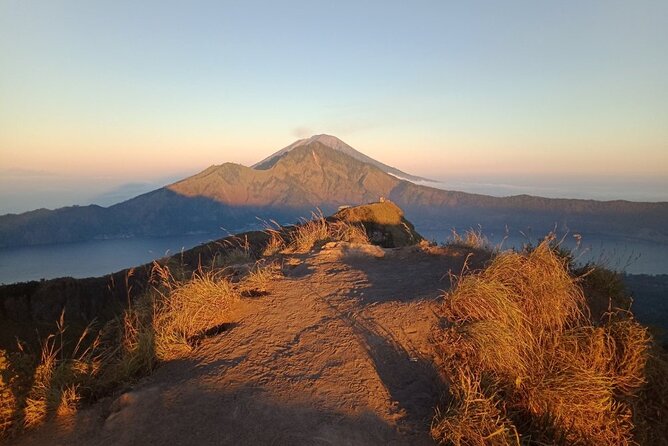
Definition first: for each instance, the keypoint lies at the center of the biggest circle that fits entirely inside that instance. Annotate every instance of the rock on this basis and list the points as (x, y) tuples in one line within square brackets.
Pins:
[(361, 250), (383, 222)]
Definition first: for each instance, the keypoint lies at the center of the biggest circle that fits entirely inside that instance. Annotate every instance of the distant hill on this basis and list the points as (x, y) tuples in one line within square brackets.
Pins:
[(314, 174)]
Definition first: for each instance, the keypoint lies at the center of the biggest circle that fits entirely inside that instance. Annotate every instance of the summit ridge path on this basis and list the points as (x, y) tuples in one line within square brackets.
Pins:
[(338, 352)]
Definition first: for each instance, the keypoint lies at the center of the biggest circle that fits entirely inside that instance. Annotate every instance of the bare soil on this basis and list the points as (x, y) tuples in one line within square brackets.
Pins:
[(338, 352)]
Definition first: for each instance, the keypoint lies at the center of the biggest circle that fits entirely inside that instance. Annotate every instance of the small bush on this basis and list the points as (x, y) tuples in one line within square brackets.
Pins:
[(650, 408), (604, 289)]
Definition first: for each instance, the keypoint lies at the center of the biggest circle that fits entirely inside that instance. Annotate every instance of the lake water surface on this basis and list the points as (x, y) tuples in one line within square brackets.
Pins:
[(100, 257), (88, 259)]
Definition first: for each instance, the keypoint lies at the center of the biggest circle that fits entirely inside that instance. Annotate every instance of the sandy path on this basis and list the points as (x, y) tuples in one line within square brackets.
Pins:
[(338, 353)]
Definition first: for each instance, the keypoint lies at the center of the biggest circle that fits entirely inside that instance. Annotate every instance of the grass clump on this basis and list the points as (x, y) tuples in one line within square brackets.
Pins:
[(348, 232), (8, 402), (316, 232), (184, 311), (471, 239), (235, 251), (476, 420), (309, 234), (527, 365), (256, 281), (35, 386), (275, 245)]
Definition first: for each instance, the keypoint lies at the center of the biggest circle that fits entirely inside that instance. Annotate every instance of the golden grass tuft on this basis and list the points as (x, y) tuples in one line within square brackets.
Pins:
[(527, 366), (257, 279), (69, 401), (183, 311), (472, 238), (235, 251), (8, 402), (473, 418), (309, 234), (57, 377), (127, 345), (275, 245), (316, 232), (349, 232)]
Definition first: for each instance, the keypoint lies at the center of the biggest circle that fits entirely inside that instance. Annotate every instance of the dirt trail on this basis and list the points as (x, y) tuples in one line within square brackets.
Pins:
[(337, 353)]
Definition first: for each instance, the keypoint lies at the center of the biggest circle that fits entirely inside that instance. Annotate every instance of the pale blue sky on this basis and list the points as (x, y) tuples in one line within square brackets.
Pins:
[(133, 91)]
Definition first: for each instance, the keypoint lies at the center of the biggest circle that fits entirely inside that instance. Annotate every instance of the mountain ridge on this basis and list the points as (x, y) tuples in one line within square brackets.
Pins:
[(311, 176)]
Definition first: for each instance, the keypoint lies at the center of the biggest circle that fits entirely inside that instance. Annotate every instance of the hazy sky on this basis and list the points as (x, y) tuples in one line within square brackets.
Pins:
[(94, 94)]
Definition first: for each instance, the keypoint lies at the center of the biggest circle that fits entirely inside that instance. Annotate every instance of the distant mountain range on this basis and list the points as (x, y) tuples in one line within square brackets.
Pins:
[(322, 172)]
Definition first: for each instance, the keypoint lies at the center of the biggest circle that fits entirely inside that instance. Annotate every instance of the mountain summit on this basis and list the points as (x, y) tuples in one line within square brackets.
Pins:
[(334, 143)]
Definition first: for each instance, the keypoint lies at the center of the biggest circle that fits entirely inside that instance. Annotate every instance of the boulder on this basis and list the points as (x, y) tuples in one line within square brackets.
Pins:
[(383, 222)]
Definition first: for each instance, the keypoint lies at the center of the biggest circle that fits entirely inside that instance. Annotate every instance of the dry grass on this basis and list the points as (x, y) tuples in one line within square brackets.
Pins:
[(8, 402), (475, 419), (472, 238), (256, 281), (651, 406), (313, 233), (527, 366), (55, 381), (310, 233), (158, 326), (235, 251), (275, 245), (128, 345), (236, 256), (349, 232), (184, 311)]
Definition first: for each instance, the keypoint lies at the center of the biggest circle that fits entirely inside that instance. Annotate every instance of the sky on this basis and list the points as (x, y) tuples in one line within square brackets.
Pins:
[(100, 100)]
